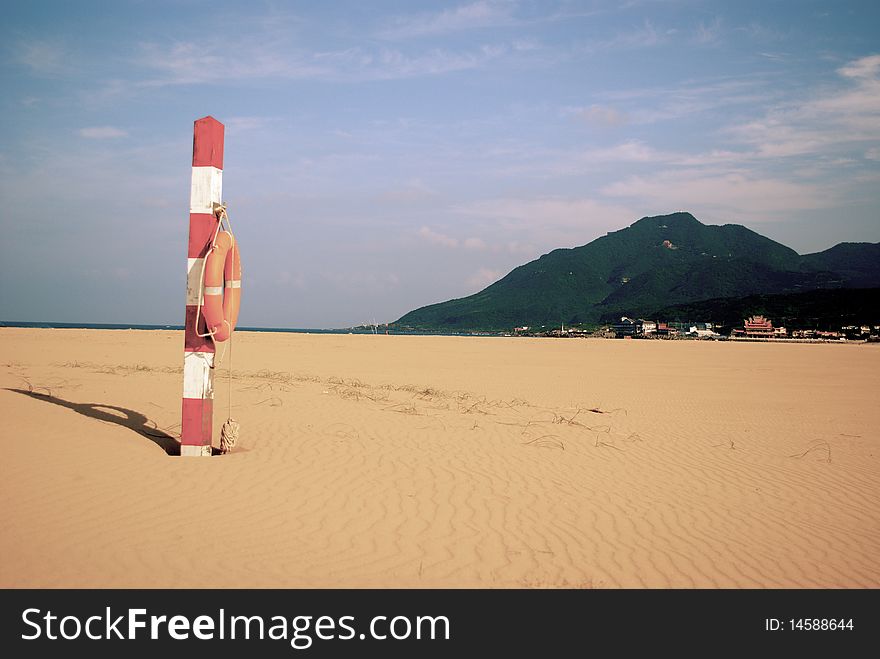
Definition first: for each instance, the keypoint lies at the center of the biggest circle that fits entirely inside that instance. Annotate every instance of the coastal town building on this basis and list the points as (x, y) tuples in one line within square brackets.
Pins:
[(663, 329), (817, 334), (703, 332), (626, 327), (756, 327), (632, 327)]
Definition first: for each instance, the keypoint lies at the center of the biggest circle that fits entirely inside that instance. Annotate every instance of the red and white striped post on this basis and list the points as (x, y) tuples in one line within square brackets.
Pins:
[(196, 427)]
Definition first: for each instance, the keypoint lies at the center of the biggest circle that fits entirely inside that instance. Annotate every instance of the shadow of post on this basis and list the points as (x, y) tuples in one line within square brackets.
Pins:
[(133, 420)]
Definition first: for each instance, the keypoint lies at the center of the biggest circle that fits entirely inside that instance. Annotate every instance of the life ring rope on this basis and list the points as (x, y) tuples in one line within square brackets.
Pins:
[(231, 429)]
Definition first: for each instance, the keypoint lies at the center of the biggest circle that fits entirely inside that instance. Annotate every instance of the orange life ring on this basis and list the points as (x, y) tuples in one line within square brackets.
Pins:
[(222, 288)]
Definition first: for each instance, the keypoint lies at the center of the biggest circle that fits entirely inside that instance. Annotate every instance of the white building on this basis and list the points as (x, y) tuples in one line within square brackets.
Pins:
[(702, 333), (648, 326)]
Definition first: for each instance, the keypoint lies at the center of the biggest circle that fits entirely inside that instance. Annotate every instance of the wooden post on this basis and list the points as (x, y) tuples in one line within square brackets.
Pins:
[(196, 428)]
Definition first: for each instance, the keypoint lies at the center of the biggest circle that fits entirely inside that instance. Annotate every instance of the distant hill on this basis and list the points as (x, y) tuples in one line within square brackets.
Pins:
[(857, 263), (652, 264), (827, 309)]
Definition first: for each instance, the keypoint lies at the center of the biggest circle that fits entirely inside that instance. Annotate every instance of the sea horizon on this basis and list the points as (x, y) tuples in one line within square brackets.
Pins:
[(359, 329)]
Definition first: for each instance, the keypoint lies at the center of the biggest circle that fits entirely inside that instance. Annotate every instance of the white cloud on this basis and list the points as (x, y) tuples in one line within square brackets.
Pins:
[(777, 57), (646, 36), (393, 64), (285, 278), (708, 33), (734, 195), (866, 67), (523, 45), (602, 115), (42, 57), (517, 228), (414, 191), (483, 277), (655, 104), (361, 282), (529, 225), (828, 120), (236, 125), (828, 123), (516, 247), (554, 210), (102, 132), (764, 33), (481, 14), (436, 238), (191, 63), (197, 63), (634, 151)]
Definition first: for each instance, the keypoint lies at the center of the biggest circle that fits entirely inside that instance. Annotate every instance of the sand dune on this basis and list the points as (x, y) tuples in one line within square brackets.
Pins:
[(373, 461)]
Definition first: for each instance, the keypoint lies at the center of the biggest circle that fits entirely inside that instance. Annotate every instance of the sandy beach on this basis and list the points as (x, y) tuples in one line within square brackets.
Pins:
[(404, 461)]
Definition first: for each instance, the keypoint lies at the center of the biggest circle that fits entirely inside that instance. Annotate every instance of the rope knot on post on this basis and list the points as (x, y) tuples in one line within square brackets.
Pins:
[(229, 435)]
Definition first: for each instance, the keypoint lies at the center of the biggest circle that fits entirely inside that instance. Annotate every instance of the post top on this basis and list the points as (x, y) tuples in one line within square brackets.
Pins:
[(208, 136)]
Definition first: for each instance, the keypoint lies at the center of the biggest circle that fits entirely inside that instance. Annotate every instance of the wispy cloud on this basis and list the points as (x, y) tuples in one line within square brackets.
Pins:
[(391, 64), (602, 115), (647, 35), (185, 63), (483, 277), (42, 57), (102, 132), (728, 196), (634, 151), (776, 57), (649, 105), (708, 33), (864, 68), (508, 229), (437, 238), (414, 191), (285, 278), (826, 120), (481, 14), (190, 63), (525, 225), (243, 124), (763, 33), (639, 152)]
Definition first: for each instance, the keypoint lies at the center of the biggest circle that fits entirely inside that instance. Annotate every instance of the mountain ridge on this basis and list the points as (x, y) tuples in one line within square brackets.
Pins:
[(656, 262)]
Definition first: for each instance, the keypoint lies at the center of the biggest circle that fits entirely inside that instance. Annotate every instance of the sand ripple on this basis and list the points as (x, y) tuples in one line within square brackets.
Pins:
[(442, 462)]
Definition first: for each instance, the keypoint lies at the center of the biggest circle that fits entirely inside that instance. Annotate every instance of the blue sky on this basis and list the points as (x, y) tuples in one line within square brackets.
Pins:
[(381, 156)]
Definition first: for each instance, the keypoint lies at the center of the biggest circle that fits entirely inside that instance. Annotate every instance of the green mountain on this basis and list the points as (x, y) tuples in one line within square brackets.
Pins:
[(857, 263), (654, 263)]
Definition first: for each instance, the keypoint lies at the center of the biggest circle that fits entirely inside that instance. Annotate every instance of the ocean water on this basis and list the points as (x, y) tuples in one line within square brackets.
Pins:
[(296, 330)]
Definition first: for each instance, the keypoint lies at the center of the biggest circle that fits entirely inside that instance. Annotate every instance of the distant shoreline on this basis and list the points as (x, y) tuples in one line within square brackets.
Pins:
[(286, 330), (359, 331)]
